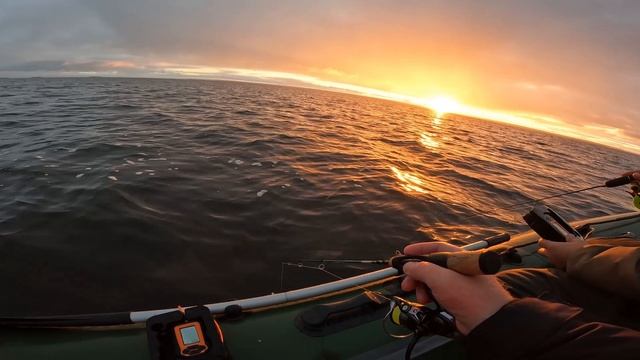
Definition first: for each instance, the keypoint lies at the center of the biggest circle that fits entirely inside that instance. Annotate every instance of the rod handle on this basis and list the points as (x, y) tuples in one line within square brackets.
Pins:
[(623, 180), (484, 262), (497, 239)]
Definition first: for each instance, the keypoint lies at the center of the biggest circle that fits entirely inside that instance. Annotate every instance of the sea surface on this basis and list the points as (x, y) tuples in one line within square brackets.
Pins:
[(131, 194)]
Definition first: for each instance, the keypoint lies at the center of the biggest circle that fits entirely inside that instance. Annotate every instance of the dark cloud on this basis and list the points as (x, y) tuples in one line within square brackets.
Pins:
[(45, 65)]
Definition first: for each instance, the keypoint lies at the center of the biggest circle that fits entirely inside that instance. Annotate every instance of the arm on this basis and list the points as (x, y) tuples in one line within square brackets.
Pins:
[(609, 264), (612, 268), (499, 327), (535, 329)]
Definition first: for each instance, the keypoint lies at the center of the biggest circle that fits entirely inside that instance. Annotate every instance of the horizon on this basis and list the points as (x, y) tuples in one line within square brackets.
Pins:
[(437, 114), (565, 68)]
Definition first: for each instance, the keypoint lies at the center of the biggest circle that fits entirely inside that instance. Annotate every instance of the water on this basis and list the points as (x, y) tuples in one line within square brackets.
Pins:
[(123, 194)]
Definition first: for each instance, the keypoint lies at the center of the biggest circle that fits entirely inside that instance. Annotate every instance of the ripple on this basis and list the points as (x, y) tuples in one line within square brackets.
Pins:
[(145, 185)]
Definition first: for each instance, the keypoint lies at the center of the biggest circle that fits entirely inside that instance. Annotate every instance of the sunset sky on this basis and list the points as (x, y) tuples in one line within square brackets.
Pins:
[(570, 67)]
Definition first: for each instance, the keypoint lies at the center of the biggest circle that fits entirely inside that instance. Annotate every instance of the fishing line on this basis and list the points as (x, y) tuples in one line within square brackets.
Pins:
[(322, 268), (529, 202), (617, 182), (612, 183)]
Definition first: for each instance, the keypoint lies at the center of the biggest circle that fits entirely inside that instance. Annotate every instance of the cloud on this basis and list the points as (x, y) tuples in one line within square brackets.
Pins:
[(575, 60), (44, 65)]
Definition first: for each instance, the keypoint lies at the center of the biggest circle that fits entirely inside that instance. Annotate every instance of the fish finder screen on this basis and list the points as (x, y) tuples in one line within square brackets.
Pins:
[(189, 335)]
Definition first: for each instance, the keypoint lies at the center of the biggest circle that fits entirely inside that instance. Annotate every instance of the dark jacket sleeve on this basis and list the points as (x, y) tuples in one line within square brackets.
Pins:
[(534, 329), (612, 268)]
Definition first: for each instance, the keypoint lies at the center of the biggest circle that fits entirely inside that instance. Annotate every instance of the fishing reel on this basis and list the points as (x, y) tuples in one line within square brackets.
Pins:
[(421, 320)]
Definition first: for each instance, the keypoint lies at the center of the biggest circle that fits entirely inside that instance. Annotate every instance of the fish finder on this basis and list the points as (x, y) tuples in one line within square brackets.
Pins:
[(549, 225), (188, 334), (190, 339)]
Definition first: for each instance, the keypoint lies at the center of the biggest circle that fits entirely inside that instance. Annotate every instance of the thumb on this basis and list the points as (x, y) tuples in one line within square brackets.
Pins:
[(547, 244), (431, 274)]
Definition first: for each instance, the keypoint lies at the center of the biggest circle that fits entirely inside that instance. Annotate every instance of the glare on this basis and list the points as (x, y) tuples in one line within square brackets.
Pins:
[(409, 182), (429, 141), (443, 105)]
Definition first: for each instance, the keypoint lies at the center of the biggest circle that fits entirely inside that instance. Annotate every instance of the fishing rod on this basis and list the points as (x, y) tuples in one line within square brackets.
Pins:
[(485, 243), (419, 319), (348, 261), (476, 262), (612, 183)]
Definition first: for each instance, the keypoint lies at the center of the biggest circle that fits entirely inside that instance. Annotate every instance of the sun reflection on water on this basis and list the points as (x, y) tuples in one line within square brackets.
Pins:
[(428, 140), (408, 181)]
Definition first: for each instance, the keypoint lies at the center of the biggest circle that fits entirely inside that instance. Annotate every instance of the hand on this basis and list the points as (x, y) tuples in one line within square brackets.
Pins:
[(559, 252), (470, 299), (635, 185), (636, 174)]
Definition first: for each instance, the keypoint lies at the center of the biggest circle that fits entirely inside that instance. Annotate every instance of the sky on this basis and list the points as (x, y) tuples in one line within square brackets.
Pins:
[(570, 67)]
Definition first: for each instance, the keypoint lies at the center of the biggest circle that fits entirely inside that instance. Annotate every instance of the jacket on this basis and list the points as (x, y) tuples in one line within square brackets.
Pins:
[(530, 328)]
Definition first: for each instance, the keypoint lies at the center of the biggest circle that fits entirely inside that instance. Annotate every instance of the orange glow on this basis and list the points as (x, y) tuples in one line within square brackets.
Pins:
[(576, 75), (429, 141), (408, 181), (441, 104)]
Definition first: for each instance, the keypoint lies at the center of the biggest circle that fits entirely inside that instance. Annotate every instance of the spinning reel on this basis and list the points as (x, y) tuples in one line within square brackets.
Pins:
[(420, 319)]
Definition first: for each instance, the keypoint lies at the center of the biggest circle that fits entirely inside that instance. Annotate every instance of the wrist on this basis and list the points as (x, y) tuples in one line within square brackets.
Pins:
[(486, 308)]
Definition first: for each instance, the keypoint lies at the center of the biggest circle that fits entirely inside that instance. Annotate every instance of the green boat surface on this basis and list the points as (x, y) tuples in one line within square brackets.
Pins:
[(271, 331)]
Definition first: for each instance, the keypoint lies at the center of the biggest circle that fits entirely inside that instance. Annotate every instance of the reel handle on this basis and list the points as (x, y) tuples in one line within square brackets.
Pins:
[(463, 262), (623, 180)]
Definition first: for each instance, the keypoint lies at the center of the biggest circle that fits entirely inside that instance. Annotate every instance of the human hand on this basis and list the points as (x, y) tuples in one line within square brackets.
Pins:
[(635, 174), (559, 252), (470, 299), (635, 185)]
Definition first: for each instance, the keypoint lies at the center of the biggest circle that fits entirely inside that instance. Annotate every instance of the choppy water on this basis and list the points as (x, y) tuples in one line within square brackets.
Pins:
[(120, 194)]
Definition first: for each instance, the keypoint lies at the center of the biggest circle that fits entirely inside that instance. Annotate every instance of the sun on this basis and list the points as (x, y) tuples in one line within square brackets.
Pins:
[(443, 105)]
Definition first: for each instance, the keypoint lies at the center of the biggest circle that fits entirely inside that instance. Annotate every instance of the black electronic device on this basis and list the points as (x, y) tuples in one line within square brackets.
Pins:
[(549, 225)]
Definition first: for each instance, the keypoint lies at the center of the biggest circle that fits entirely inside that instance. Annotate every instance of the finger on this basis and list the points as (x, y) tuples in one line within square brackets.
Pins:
[(422, 295), (549, 245), (408, 284), (430, 247), (571, 238), (543, 243), (432, 275), (634, 174)]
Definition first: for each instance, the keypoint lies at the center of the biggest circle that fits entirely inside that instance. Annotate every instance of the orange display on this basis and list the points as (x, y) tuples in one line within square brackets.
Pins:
[(190, 339)]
